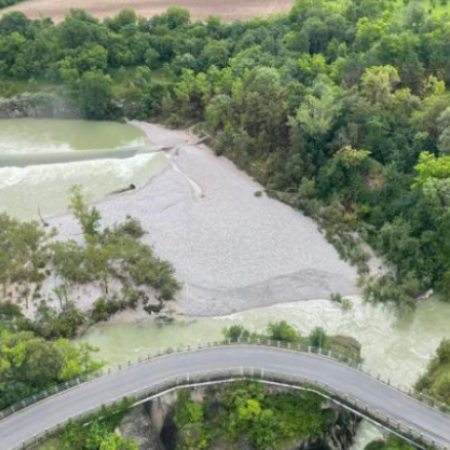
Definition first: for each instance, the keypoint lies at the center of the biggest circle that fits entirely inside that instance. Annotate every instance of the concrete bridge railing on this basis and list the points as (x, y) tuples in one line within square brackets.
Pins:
[(246, 373)]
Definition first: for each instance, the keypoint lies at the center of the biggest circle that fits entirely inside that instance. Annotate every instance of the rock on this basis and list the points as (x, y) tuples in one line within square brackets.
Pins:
[(342, 434), (160, 409), (138, 426), (153, 426), (165, 318)]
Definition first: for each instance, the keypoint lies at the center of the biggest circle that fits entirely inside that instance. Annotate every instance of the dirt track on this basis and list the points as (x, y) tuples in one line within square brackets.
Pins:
[(228, 10)]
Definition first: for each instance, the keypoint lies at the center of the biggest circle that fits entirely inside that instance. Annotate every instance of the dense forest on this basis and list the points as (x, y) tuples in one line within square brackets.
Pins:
[(338, 108)]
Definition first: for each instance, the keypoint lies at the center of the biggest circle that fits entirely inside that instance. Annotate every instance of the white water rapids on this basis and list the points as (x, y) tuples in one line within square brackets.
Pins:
[(397, 349)]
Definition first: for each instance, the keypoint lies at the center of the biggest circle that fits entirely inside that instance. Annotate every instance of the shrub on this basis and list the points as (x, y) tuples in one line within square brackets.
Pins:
[(281, 331), (318, 338), (236, 332)]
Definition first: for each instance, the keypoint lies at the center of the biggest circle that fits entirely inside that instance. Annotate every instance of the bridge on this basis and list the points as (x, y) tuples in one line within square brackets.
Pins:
[(347, 386)]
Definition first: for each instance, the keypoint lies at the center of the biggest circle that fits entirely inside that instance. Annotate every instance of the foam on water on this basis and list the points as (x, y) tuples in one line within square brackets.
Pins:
[(23, 191), (26, 190)]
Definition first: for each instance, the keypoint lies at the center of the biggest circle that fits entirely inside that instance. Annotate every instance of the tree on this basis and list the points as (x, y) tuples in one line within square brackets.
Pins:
[(318, 338), (11, 47), (30, 364), (152, 58), (429, 167), (176, 17), (14, 22), (444, 130), (436, 381), (23, 257), (318, 113), (52, 324), (93, 59), (79, 29), (94, 95), (126, 17), (69, 263), (216, 53), (98, 260), (235, 332), (282, 331), (88, 218), (98, 435), (378, 84)]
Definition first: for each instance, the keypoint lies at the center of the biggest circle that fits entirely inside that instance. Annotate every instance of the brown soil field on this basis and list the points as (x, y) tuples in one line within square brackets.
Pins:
[(228, 10)]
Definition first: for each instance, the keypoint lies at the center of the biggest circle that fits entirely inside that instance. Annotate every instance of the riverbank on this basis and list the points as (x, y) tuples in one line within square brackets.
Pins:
[(232, 250)]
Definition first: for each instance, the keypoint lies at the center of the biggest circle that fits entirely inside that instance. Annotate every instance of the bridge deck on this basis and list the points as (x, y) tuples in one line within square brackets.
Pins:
[(55, 410)]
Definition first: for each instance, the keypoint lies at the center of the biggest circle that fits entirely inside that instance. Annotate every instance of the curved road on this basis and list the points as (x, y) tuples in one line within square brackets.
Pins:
[(55, 410)]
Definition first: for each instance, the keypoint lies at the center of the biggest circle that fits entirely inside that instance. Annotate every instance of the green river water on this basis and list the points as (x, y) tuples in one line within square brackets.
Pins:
[(395, 348), (31, 135), (26, 190)]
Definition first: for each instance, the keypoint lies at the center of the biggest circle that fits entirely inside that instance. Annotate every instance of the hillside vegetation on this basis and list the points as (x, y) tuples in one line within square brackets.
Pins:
[(436, 381), (248, 415)]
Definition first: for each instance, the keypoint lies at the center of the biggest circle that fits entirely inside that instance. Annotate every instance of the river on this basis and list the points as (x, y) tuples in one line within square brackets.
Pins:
[(395, 348), (26, 190)]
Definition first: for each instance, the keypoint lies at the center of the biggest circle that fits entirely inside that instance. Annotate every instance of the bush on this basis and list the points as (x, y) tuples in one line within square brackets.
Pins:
[(236, 332), (318, 338), (281, 331), (52, 324), (104, 309), (100, 312), (436, 381), (344, 302), (11, 317), (131, 227), (154, 309)]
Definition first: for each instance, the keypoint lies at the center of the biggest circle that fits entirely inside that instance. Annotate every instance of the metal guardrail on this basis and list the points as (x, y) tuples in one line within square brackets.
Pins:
[(168, 351), (214, 377)]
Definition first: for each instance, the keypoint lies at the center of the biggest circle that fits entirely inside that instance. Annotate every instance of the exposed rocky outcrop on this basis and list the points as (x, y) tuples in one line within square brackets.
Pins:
[(161, 409), (339, 437), (153, 427), (37, 106), (138, 426)]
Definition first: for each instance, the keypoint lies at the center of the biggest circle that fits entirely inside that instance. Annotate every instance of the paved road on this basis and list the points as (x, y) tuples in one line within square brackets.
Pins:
[(54, 410)]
